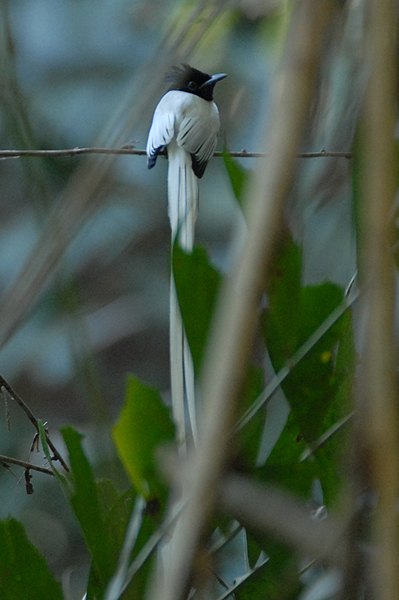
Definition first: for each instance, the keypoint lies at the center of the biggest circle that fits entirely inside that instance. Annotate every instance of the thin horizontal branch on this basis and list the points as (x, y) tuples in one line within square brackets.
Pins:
[(4, 154), (26, 465)]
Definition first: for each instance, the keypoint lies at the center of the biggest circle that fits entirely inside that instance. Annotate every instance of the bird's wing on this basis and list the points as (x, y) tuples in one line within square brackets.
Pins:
[(199, 138), (161, 133)]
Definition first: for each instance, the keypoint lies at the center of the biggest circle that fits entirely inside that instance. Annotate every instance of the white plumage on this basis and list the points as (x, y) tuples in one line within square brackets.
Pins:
[(187, 125)]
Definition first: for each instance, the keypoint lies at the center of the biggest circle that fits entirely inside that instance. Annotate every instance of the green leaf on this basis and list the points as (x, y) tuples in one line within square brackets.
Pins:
[(289, 446), (319, 387), (284, 292), (238, 176), (23, 571), (197, 285), (143, 425), (296, 478), (278, 578), (115, 510), (86, 506), (332, 454), (283, 467), (313, 383)]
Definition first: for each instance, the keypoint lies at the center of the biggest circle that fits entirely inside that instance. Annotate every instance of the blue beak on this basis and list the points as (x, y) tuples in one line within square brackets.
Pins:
[(212, 80)]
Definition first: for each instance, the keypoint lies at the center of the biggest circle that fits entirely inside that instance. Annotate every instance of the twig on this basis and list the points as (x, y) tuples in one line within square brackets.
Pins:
[(152, 543), (273, 512), (4, 154), (243, 579), (114, 589), (24, 464), (327, 435), (4, 384)]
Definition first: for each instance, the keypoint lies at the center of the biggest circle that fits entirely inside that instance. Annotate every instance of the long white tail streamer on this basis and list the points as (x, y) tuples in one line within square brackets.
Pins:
[(183, 208)]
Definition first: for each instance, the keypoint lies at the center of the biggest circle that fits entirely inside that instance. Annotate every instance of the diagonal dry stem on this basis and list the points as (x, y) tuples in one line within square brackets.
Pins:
[(378, 425)]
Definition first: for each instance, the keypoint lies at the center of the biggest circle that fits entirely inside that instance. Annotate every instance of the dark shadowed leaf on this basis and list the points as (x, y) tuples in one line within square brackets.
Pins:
[(86, 506), (311, 386), (197, 285), (23, 571), (278, 578), (116, 517)]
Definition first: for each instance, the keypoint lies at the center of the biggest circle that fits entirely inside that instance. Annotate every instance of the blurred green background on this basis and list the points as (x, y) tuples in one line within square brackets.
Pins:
[(73, 73)]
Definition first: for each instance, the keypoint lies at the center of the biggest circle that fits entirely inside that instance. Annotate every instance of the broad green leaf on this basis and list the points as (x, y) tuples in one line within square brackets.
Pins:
[(283, 467), (143, 425), (319, 388), (238, 176), (115, 512), (197, 284), (284, 292), (23, 571), (311, 386), (289, 446), (296, 478), (278, 578), (331, 456), (108, 496), (115, 522), (86, 506)]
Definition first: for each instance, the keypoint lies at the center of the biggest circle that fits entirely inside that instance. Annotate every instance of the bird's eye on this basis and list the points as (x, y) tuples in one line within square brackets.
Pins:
[(192, 86)]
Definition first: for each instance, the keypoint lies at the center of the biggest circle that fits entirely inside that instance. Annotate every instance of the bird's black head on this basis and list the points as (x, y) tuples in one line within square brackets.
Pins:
[(188, 79)]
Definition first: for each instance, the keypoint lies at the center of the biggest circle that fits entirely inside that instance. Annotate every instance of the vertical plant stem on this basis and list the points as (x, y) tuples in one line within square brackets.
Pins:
[(237, 313), (379, 395)]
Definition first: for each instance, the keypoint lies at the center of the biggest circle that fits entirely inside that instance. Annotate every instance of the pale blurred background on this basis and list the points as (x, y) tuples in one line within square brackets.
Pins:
[(66, 67)]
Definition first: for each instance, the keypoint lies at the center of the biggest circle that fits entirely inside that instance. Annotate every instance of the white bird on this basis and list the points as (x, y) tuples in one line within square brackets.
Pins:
[(186, 123)]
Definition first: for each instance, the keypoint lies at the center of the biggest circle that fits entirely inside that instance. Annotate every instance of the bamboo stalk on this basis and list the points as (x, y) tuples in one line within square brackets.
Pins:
[(379, 398)]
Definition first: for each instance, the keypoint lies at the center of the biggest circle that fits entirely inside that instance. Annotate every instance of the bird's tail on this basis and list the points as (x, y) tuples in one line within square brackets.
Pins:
[(183, 209)]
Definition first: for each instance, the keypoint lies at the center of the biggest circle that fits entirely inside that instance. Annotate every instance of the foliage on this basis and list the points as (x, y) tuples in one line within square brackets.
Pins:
[(23, 572), (143, 425), (318, 390)]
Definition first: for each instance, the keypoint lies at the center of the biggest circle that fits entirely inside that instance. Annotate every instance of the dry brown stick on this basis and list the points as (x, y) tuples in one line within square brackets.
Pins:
[(5, 154), (270, 511), (25, 464), (236, 316), (378, 397), (4, 384)]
